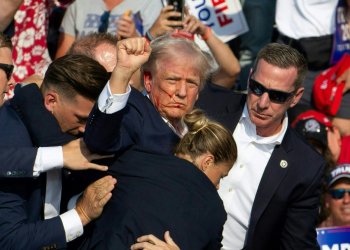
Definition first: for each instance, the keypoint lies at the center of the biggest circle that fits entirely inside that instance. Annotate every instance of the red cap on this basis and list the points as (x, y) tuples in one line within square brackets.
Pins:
[(327, 94), (313, 114)]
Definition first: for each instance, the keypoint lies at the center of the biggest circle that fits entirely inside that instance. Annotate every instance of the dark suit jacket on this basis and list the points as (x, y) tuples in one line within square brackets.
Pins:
[(22, 199), (157, 192), (285, 208), (139, 123)]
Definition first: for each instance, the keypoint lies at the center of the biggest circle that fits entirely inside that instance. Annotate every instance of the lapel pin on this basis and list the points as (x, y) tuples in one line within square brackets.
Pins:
[(283, 164)]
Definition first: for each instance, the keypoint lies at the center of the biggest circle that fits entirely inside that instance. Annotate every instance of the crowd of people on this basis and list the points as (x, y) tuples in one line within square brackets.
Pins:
[(121, 131)]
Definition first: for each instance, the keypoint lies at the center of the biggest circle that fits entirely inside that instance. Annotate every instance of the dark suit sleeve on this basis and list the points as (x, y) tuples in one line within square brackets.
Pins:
[(42, 126), (105, 133), (16, 233), (301, 218), (17, 162)]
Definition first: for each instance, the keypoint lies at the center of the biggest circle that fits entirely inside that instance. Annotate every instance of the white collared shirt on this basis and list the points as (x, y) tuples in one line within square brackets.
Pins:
[(50, 160), (239, 188)]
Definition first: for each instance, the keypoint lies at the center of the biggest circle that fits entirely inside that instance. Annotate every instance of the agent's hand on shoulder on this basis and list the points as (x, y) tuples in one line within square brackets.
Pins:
[(96, 195), (76, 156), (150, 242)]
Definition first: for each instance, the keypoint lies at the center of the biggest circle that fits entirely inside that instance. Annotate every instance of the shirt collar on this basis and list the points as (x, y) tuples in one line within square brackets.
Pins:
[(275, 139)]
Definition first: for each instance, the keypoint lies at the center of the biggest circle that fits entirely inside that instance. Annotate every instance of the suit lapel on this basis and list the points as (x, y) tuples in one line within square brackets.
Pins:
[(271, 179), (232, 114)]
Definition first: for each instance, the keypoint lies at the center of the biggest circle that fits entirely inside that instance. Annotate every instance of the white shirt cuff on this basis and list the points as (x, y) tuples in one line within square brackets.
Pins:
[(72, 225), (109, 103), (73, 201), (47, 158)]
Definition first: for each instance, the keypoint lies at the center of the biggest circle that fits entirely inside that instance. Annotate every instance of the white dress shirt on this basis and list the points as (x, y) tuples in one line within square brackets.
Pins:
[(239, 188), (50, 160)]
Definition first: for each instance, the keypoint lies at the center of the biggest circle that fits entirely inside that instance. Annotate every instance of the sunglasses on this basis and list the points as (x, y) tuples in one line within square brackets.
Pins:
[(8, 68), (338, 193), (104, 22), (274, 95)]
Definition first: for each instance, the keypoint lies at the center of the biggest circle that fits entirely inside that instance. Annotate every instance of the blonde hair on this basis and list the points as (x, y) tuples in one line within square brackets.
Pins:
[(206, 136)]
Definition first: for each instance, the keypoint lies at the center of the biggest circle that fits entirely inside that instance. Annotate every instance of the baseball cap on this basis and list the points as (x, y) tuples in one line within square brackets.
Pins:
[(326, 93), (314, 125), (338, 172)]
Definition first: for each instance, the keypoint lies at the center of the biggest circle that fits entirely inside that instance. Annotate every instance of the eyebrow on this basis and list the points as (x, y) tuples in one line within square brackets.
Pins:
[(81, 117)]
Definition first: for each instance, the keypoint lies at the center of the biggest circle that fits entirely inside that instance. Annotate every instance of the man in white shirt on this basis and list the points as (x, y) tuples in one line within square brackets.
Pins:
[(271, 194), (69, 97)]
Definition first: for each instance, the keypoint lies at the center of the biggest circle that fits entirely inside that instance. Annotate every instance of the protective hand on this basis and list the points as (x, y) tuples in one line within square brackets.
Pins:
[(96, 195), (76, 156), (150, 242)]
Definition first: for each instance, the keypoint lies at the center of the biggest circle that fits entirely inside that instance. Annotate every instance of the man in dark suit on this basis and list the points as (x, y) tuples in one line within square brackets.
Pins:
[(22, 200), (271, 194), (123, 117), (158, 192)]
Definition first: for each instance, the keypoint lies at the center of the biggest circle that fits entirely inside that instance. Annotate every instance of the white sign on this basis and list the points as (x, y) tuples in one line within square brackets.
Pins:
[(224, 17)]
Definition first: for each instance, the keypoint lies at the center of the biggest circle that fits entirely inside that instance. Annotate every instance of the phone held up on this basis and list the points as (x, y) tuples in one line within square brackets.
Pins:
[(178, 7)]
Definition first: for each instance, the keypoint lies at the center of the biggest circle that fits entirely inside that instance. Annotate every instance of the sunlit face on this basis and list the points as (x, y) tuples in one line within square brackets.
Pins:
[(340, 208), (265, 114), (216, 172), (6, 58), (72, 116), (173, 88)]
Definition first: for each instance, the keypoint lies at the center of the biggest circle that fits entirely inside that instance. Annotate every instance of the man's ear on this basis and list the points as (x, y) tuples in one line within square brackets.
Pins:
[(297, 97), (50, 100), (207, 162), (147, 80)]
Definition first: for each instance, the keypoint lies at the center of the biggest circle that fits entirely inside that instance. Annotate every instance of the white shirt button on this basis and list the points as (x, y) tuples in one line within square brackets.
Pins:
[(241, 166), (230, 190), (70, 238)]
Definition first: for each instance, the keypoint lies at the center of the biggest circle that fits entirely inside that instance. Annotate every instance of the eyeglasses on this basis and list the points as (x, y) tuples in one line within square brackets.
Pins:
[(8, 68), (338, 193), (104, 22), (274, 95)]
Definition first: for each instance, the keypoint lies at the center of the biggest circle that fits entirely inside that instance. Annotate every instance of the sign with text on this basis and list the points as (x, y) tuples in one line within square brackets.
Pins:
[(335, 238), (341, 43), (225, 17)]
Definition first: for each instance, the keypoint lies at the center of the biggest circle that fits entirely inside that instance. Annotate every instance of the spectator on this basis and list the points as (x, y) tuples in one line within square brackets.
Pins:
[(338, 196), (260, 19), (310, 27), (318, 130), (83, 17), (271, 194), (6, 66), (8, 11)]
